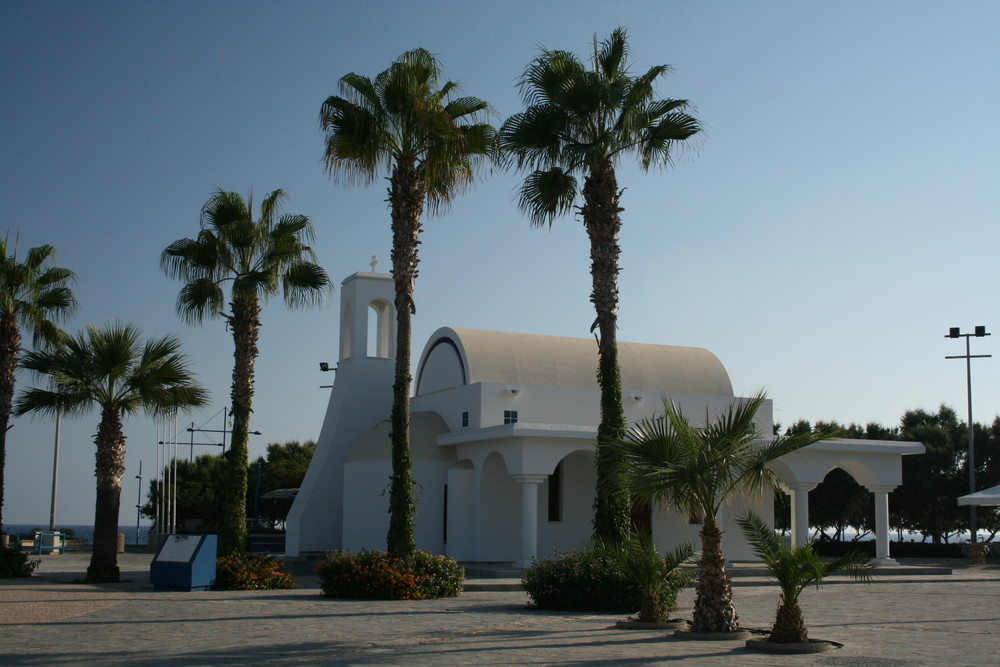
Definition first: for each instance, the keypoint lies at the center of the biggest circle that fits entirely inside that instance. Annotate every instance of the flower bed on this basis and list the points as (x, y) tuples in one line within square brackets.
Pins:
[(251, 572), (376, 575)]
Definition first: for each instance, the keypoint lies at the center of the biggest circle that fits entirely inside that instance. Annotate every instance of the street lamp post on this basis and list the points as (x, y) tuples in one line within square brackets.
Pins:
[(138, 504), (978, 332), (55, 474)]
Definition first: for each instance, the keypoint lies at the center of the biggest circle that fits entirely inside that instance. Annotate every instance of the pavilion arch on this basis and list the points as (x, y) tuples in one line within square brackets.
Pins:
[(861, 473)]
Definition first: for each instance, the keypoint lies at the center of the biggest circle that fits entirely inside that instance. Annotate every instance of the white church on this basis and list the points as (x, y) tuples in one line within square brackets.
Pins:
[(503, 427)]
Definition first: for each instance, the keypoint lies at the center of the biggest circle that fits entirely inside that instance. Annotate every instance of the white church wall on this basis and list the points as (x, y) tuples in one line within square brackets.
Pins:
[(428, 523), (366, 516), (575, 527), (499, 513), (366, 519), (449, 404), (463, 513)]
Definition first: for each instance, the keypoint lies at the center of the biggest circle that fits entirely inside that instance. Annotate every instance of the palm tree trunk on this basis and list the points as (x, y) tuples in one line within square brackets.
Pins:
[(713, 605), (10, 343), (406, 197), (110, 443), (600, 217), (245, 324), (789, 626)]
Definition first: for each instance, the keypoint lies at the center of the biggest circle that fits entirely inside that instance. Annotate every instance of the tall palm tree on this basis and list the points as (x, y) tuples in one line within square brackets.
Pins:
[(698, 469), (34, 295), (113, 369), (794, 569), (408, 126), (258, 258), (581, 122)]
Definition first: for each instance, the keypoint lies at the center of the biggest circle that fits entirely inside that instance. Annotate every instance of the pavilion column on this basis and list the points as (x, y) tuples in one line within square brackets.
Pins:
[(529, 517), (800, 511), (882, 524)]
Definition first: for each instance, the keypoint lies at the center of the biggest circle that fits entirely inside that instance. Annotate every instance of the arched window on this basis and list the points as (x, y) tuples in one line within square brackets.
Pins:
[(378, 329)]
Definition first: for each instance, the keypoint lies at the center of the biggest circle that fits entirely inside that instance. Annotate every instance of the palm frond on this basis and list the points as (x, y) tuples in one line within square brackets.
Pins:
[(305, 284), (546, 195), (200, 298), (613, 54)]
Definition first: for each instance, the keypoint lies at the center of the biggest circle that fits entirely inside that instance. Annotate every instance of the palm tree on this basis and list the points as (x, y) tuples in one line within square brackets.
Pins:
[(794, 569), (259, 258), (34, 295), (428, 142), (698, 469), (659, 578), (582, 122), (113, 369)]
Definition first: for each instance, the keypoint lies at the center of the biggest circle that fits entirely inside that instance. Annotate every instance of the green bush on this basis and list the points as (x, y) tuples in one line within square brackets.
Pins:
[(251, 572), (14, 563), (592, 580), (375, 575)]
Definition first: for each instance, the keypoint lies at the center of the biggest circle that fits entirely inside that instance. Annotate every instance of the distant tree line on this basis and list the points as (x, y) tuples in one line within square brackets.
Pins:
[(201, 485), (925, 503)]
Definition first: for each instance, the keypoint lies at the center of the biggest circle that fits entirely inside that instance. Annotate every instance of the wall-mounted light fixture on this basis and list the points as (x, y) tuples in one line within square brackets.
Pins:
[(512, 391)]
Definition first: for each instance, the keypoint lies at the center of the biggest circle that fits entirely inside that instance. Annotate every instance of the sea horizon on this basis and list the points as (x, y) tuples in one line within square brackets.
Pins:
[(83, 531)]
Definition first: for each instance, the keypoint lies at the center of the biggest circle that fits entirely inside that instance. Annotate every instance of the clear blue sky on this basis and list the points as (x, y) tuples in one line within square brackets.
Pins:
[(838, 214)]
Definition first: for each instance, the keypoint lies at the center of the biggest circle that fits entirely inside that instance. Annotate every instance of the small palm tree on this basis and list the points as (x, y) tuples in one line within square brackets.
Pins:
[(258, 258), (698, 469), (34, 295), (794, 569), (659, 578), (113, 369), (582, 122), (407, 126)]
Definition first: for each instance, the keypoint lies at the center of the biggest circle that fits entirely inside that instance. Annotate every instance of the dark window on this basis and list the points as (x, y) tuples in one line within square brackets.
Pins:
[(465, 419), (510, 416), (555, 493), (445, 534)]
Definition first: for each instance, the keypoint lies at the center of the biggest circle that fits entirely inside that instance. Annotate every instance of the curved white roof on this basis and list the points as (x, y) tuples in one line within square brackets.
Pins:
[(455, 357)]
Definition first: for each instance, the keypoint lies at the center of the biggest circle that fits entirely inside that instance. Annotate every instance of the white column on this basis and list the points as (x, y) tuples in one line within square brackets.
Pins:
[(800, 512), (529, 517), (882, 525)]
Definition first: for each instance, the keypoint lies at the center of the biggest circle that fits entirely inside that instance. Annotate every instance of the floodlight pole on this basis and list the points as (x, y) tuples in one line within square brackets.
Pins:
[(55, 474), (979, 332)]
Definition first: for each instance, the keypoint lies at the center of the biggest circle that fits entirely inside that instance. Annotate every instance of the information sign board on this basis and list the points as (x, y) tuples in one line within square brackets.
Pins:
[(184, 563)]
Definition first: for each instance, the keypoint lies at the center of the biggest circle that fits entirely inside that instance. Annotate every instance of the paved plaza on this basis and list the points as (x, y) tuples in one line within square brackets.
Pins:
[(51, 620)]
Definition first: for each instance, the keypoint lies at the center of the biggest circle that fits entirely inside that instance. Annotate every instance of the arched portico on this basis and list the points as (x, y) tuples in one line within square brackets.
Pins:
[(512, 469), (875, 464)]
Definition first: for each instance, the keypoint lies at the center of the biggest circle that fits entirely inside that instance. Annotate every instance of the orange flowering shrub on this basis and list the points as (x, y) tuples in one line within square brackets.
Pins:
[(375, 575), (251, 572)]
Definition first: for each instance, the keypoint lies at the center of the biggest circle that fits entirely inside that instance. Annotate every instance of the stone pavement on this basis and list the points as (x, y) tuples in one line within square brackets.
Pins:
[(48, 620)]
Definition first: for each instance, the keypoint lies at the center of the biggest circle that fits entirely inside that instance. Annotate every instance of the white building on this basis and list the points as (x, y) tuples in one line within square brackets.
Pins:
[(502, 434)]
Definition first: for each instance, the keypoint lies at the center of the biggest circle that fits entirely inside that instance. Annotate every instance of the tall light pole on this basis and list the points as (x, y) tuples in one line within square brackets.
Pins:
[(138, 504), (978, 332), (55, 475)]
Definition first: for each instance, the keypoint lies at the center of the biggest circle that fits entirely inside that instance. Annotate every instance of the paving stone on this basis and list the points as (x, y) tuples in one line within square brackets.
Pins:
[(46, 620)]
